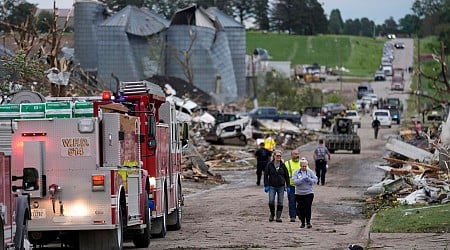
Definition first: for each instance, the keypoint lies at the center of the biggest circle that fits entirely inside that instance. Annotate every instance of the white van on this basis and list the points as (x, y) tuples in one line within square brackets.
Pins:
[(387, 69), (384, 116)]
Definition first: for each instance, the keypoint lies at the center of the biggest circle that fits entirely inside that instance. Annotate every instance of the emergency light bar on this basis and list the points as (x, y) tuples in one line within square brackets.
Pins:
[(34, 134)]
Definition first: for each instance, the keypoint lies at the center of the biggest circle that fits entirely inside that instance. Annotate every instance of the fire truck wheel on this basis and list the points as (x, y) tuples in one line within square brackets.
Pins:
[(143, 240), (159, 226), (174, 219), (42, 238), (2, 235)]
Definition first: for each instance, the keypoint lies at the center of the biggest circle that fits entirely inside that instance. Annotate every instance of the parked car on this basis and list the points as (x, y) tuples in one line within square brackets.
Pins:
[(363, 89), (358, 104), (399, 45), (379, 76), (384, 116), (373, 99), (354, 116), (332, 109)]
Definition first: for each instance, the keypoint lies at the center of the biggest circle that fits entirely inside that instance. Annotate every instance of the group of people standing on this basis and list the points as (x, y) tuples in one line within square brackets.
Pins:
[(293, 176)]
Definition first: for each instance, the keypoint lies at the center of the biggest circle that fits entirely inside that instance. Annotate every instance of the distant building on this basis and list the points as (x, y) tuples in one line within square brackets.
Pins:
[(63, 14)]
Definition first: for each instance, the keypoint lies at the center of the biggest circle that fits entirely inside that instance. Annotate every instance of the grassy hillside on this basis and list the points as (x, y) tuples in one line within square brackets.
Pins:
[(360, 55)]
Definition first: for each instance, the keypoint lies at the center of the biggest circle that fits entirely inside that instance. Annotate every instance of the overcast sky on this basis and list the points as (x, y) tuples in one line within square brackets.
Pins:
[(376, 10)]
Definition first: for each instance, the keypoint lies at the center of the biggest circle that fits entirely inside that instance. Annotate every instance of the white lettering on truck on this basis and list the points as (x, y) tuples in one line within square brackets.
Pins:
[(72, 147)]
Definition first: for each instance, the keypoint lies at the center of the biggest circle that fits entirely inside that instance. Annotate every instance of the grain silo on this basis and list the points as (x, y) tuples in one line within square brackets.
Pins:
[(235, 33), (130, 45), (198, 52), (88, 14)]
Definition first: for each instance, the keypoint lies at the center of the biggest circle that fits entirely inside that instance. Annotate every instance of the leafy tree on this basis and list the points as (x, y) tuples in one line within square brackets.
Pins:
[(424, 8), (243, 9), (367, 27), (117, 5), (261, 14), (390, 26), (279, 92), (352, 27), (19, 12), (409, 24), (44, 21), (335, 24), (319, 23), (301, 17), (22, 70)]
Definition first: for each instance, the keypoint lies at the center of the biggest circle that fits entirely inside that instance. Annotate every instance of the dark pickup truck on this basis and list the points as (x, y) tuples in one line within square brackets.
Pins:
[(272, 113)]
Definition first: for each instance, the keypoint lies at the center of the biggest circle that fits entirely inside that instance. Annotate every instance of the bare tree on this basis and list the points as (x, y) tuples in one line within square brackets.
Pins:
[(438, 82), (30, 43), (184, 57)]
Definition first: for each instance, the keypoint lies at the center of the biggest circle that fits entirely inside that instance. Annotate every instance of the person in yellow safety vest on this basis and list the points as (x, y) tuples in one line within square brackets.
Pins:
[(269, 143), (292, 165)]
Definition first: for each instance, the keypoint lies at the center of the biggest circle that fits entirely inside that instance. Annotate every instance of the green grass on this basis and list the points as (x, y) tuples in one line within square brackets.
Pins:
[(361, 55), (431, 67), (413, 219)]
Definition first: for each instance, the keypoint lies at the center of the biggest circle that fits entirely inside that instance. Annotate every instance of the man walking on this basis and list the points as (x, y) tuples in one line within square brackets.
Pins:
[(262, 159), (376, 126), (320, 157), (292, 165)]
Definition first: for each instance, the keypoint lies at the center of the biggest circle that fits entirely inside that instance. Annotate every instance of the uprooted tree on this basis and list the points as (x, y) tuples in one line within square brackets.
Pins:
[(36, 54), (437, 81)]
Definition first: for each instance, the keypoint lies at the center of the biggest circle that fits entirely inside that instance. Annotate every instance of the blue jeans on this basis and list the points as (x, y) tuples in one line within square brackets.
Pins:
[(279, 191), (292, 203)]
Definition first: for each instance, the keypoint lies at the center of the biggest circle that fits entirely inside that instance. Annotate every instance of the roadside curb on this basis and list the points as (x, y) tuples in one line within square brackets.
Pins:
[(366, 233)]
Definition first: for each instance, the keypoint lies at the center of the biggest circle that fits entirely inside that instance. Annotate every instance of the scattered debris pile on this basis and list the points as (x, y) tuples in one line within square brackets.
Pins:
[(203, 156), (417, 170)]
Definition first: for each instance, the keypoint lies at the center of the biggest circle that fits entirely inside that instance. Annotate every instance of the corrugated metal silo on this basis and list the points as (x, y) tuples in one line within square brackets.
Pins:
[(235, 33), (196, 31), (87, 16), (130, 45)]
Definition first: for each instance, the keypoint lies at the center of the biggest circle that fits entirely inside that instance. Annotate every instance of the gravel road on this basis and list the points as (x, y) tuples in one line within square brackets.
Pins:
[(235, 215)]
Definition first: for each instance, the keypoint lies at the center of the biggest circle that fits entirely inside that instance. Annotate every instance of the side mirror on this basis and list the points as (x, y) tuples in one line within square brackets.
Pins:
[(30, 179), (185, 135)]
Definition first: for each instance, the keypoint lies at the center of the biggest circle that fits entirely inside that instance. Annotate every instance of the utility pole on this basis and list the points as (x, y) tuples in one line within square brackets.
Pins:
[(419, 82), (340, 62)]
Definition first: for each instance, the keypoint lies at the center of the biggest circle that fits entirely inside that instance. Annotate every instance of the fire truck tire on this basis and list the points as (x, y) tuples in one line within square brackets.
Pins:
[(159, 226), (102, 239), (143, 240), (21, 234), (174, 219), (2, 235), (42, 238)]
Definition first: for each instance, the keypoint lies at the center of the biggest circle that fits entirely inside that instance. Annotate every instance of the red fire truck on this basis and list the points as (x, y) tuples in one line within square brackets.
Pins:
[(105, 172), (14, 209)]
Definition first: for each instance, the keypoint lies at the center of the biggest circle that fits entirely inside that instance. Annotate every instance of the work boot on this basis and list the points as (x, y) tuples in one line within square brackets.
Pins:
[(279, 211), (272, 212)]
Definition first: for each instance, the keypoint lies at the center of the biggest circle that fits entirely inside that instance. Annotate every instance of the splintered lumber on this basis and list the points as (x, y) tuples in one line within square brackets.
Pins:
[(408, 150), (413, 163)]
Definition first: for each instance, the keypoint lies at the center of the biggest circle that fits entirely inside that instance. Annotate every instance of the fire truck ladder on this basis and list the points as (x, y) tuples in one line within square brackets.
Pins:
[(140, 87)]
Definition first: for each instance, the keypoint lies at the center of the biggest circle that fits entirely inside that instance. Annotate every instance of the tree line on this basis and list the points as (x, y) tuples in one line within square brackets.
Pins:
[(305, 17)]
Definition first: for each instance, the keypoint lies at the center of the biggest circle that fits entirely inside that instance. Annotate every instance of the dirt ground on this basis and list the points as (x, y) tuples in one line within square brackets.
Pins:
[(235, 215)]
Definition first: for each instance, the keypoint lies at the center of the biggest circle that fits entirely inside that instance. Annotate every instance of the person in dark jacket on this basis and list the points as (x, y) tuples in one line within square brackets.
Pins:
[(376, 126), (262, 159), (276, 179)]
